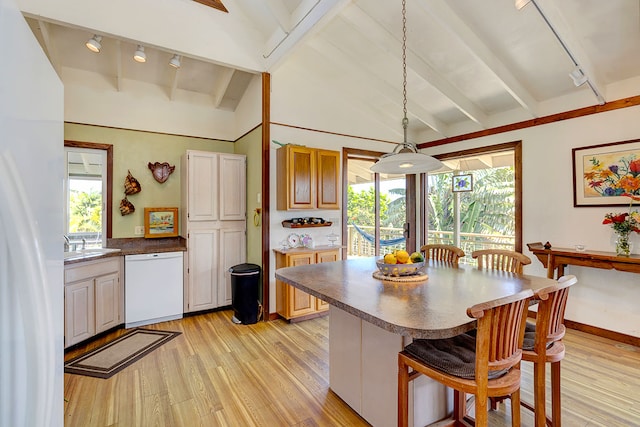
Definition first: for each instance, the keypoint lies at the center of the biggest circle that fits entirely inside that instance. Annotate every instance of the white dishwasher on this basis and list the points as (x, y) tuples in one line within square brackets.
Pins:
[(153, 290)]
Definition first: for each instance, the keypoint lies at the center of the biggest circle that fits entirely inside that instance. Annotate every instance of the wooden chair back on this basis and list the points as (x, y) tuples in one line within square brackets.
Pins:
[(550, 316), (444, 253), (501, 259), (500, 332)]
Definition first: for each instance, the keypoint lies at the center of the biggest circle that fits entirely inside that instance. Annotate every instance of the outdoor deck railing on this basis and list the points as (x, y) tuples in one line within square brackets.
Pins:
[(469, 242)]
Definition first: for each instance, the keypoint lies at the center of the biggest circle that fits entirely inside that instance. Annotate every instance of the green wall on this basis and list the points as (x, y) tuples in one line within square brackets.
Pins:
[(251, 146), (133, 150)]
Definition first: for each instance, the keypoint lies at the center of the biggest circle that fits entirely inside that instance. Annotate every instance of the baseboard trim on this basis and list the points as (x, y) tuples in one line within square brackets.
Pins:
[(600, 332), (604, 333)]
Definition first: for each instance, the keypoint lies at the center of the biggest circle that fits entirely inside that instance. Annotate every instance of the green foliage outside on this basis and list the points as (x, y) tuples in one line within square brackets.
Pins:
[(361, 207), (85, 209), (488, 209)]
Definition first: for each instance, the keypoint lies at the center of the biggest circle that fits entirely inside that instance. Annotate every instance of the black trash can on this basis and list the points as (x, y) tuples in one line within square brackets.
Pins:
[(245, 285)]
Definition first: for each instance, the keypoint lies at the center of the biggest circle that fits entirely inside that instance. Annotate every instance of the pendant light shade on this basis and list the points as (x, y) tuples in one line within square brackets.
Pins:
[(405, 158), (407, 161)]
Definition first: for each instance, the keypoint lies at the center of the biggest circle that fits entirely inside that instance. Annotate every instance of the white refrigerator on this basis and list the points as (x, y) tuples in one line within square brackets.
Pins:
[(31, 229)]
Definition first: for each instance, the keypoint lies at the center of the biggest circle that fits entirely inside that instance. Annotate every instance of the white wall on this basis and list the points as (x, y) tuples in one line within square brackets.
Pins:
[(604, 299), (144, 107), (31, 267)]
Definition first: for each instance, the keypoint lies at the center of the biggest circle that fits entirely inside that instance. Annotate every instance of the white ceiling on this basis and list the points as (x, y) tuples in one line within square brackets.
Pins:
[(472, 65)]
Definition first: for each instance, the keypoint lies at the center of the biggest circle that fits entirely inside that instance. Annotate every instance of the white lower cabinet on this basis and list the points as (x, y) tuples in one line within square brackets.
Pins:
[(212, 248), (93, 298), (233, 250), (201, 274)]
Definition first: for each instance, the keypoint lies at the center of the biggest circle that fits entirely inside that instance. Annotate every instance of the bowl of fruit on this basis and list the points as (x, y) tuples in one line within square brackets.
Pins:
[(400, 263)]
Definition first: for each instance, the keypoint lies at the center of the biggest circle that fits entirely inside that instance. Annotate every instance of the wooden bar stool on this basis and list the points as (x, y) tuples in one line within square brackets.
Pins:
[(543, 344), (444, 253), (485, 365)]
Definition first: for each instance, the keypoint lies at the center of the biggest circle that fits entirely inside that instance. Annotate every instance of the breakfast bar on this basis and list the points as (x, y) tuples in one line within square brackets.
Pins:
[(372, 320)]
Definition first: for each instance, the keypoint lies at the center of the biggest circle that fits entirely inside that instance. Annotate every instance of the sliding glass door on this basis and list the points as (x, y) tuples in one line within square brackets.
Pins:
[(375, 218), (474, 203)]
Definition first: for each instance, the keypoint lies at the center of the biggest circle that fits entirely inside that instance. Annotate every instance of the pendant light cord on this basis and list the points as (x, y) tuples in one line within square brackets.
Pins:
[(405, 120)]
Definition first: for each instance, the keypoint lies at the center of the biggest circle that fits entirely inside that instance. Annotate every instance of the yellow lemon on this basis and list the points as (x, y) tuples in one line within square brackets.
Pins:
[(390, 259), (402, 257)]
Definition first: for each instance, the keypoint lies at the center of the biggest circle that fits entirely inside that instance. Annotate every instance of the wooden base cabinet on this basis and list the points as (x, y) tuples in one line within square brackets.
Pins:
[(93, 298), (291, 302)]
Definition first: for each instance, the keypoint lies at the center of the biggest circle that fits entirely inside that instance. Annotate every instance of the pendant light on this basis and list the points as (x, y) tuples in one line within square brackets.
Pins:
[(405, 158)]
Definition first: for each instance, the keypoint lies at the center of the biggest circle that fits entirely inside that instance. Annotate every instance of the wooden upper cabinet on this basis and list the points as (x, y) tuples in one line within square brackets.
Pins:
[(307, 178), (328, 179)]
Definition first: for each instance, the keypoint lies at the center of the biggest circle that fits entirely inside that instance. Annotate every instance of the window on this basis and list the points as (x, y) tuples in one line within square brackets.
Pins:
[(87, 194), (488, 216), (378, 210)]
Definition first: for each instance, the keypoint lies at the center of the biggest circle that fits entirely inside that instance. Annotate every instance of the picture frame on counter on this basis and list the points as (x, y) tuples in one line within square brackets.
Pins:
[(160, 222)]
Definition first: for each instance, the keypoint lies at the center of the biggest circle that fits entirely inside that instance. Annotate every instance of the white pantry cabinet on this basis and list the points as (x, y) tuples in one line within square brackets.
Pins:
[(93, 298), (214, 223)]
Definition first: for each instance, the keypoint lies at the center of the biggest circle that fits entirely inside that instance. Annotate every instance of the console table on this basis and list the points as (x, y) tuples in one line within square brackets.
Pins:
[(558, 258)]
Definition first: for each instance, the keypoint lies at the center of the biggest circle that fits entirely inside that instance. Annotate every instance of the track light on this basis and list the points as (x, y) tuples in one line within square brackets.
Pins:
[(140, 55), (175, 61), (93, 44), (579, 78)]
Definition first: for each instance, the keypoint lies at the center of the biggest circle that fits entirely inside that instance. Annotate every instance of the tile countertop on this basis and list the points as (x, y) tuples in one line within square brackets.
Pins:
[(136, 246)]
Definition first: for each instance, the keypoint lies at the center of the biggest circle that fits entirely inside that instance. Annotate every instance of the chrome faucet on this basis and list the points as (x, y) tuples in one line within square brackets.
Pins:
[(67, 243), (84, 243)]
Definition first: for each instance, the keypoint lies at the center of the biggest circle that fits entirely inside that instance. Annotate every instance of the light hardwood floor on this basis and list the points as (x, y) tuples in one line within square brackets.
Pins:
[(277, 374)]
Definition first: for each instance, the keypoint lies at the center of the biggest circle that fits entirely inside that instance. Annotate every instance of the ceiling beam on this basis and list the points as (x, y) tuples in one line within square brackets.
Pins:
[(315, 11), (352, 67), (571, 44), (483, 53), (281, 14), (371, 29), (49, 46), (222, 85), (316, 59)]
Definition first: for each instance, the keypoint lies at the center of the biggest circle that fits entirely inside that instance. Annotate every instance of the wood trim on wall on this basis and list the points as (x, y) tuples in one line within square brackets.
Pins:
[(558, 117), (567, 115), (109, 149), (594, 330), (266, 197)]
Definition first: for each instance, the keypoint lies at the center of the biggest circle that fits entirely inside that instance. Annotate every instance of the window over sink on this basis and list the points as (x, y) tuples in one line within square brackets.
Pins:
[(87, 190)]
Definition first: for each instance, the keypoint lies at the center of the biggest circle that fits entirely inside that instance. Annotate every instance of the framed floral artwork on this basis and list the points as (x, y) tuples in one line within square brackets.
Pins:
[(160, 222), (606, 174), (461, 183)]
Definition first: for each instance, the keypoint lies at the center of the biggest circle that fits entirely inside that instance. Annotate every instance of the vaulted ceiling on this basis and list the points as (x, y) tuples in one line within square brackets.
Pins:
[(472, 65)]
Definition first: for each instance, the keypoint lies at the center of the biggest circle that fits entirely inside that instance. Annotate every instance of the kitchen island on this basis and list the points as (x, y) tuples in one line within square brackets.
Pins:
[(372, 320)]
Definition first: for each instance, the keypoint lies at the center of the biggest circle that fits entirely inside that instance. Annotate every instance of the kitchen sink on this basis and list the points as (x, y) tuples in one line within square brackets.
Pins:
[(88, 253)]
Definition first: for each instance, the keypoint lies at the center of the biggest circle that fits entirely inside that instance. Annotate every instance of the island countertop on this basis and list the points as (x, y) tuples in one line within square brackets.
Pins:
[(435, 308)]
